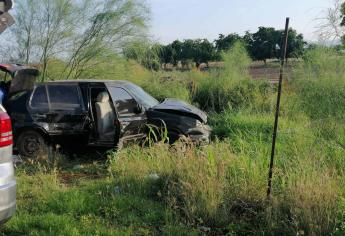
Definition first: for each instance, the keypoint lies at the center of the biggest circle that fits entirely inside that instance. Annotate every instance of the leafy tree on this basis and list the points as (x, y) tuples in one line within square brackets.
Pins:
[(295, 46), (109, 28), (263, 43), (330, 23), (43, 28), (145, 53), (75, 31), (198, 51), (266, 43), (24, 29), (166, 54), (247, 42), (176, 51), (224, 43), (342, 23), (206, 52)]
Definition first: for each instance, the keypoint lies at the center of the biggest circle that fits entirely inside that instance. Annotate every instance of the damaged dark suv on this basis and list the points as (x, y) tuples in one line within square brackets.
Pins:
[(92, 112)]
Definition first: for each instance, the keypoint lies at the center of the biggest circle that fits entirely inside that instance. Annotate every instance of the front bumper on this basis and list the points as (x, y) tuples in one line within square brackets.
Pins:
[(200, 134)]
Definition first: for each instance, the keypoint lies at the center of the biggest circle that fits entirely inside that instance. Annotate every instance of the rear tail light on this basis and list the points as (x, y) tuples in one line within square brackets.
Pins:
[(6, 137)]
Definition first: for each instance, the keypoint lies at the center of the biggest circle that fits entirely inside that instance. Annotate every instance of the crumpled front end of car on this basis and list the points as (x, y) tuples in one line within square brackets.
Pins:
[(200, 134)]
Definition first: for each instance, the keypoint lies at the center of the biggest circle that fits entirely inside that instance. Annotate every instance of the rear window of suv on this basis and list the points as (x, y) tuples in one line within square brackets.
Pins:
[(64, 96), (56, 97), (40, 98)]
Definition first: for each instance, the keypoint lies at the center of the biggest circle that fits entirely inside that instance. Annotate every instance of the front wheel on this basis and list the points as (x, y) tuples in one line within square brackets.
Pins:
[(30, 144)]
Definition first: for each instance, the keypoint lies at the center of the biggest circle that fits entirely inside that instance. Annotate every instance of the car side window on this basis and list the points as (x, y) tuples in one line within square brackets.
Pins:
[(64, 96), (125, 104), (39, 98)]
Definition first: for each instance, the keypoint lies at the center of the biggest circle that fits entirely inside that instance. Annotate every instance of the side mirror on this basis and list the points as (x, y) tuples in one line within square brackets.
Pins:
[(138, 109)]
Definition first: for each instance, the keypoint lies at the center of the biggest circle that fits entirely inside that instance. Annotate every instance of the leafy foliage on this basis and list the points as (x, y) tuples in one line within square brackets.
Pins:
[(224, 43), (232, 88), (145, 53), (50, 30), (198, 51), (265, 44)]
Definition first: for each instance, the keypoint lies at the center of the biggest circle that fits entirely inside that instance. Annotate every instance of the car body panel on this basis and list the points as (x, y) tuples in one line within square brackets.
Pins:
[(7, 201), (59, 120), (7, 182), (179, 107), (184, 125)]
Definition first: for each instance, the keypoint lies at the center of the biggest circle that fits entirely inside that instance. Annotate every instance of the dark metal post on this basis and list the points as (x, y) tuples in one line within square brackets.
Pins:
[(283, 57)]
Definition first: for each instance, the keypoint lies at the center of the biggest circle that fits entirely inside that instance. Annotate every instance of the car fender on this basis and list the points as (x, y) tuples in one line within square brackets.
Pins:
[(36, 128)]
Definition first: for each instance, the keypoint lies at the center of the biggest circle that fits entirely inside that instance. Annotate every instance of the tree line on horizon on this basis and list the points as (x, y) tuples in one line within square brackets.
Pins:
[(262, 45)]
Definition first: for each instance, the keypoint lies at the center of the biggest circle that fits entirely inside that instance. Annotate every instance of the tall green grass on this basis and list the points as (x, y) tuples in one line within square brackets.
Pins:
[(223, 188), (319, 82), (216, 189), (232, 88)]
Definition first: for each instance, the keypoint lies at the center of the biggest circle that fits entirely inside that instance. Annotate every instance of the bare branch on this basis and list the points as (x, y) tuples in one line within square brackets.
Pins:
[(329, 25)]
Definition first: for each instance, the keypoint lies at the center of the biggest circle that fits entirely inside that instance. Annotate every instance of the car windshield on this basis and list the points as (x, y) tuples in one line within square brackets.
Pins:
[(144, 98)]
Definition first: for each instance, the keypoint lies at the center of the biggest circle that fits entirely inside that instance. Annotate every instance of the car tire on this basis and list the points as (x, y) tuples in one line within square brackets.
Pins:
[(30, 144)]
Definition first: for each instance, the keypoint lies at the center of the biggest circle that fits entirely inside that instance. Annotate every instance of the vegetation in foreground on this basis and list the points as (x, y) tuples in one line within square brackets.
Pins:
[(216, 189)]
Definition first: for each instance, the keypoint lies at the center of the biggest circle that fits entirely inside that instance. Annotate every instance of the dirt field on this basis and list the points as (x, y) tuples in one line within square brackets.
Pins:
[(269, 71)]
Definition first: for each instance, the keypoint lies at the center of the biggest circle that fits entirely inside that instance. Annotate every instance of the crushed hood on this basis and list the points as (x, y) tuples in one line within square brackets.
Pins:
[(179, 107), (23, 77)]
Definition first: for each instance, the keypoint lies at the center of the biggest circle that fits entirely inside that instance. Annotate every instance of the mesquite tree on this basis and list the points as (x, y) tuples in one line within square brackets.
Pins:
[(75, 32)]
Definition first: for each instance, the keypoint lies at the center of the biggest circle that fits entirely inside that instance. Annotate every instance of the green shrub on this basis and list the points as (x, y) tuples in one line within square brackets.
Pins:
[(232, 88), (319, 92), (319, 82), (321, 63), (322, 99), (170, 88)]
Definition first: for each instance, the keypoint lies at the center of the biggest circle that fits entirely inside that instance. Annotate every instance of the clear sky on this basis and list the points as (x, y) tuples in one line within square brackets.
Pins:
[(182, 19)]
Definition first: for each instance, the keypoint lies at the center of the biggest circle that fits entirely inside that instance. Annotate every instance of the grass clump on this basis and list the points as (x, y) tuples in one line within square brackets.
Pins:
[(199, 185), (319, 82), (171, 85), (49, 204), (319, 92)]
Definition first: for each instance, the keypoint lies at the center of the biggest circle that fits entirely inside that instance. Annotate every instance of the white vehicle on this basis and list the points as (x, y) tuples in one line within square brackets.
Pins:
[(7, 179)]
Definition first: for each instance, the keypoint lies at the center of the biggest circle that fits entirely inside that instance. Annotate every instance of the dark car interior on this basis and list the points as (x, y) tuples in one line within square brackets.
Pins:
[(5, 83), (15, 78)]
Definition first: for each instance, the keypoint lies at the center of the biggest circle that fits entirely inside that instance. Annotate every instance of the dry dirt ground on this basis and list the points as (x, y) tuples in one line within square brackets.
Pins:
[(269, 71)]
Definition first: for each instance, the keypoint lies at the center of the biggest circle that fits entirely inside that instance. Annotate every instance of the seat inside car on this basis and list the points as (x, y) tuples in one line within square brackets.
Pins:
[(105, 116)]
